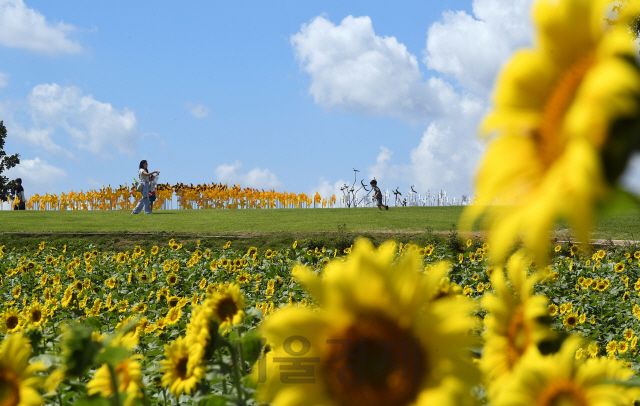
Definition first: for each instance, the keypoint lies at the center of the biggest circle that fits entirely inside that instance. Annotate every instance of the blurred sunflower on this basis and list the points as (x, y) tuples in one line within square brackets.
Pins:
[(17, 291), (35, 315), (18, 383), (513, 324), (564, 118), (375, 304), (172, 279), (10, 320), (128, 376), (559, 379), (173, 316), (228, 305), (182, 370)]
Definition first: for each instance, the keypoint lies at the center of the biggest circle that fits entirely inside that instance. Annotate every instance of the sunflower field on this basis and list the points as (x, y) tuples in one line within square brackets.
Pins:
[(509, 320), (171, 326)]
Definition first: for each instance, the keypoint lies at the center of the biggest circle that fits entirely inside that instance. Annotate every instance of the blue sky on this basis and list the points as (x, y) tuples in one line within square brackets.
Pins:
[(286, 95)]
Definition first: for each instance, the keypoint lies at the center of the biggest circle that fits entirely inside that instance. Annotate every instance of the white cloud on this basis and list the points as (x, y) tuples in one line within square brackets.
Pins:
[(472, 49), (25, 28), (92, 125), (354, 69), (256, 178), (37, 174), (4, 79), (630, 179), (199, 110), (327, 189)]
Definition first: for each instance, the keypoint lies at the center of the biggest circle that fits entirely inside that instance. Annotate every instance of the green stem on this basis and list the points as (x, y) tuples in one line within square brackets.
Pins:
[(164, 396), (59, 397), (224, 383), (236, 373), (114, 384), (145, 401)]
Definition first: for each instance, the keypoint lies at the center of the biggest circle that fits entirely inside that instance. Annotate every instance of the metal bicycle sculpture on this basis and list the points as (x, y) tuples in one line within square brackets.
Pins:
[(412, 198), (350, 194)]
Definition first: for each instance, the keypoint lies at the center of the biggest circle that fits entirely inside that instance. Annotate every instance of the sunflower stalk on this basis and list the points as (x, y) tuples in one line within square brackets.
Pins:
[(114, 383), (236, 372)]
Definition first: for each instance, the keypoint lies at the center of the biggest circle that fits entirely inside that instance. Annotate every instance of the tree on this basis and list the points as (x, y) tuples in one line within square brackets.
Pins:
[(6, 162)]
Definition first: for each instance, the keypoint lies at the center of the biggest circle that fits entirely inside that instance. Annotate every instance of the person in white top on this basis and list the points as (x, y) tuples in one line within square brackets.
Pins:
[(143, 175)]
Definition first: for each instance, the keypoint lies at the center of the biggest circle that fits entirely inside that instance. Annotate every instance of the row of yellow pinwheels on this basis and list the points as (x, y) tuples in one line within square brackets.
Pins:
[(213, 196)]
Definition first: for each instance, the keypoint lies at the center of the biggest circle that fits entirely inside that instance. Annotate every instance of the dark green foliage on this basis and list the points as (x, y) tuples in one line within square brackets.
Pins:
[(6, 162)]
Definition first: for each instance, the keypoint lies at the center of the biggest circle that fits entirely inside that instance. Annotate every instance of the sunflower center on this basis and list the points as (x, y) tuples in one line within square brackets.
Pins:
[(518, 337), (550, 141), (9, 389), (181, 367), (12, 322), (374, 362), (36, 315), (562, 393), (227, 308)]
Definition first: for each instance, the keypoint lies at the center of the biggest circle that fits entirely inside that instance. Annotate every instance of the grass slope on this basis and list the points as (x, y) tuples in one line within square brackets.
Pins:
[(233, 222)]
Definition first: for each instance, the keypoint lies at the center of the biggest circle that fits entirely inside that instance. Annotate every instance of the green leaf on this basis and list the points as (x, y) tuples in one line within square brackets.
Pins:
[(216, 400), (112, 356), (252, 345), (92, 401)]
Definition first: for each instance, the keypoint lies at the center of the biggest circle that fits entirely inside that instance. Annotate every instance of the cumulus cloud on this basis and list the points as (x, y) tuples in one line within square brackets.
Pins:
[(25, 28), (472, 48), (354, 69), (4, 79), (92, 125), (255, 178), (198, 110), (326, 189), (37, 174)]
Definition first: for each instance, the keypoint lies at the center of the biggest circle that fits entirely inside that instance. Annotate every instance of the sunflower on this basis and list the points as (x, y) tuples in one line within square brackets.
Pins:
[(128, 375), (611, 347), (35, 315), (514, 324), (555, 110), (561, 379), (623, 347), (375, 304), (227, 305), (251, 251), (570, 321), (173, 316), (110, 283), (619, 267), (593, 349), (68, 296), (154, 250), (18, 385), (78, 285), (10, 320), (17, 291), (172, 279), (173, 301), (182, 370)]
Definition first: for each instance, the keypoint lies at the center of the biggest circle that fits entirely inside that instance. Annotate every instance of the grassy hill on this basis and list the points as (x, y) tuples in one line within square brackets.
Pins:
[(275, 227)]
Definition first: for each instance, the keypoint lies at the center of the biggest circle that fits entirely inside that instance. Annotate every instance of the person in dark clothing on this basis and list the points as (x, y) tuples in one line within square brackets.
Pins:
[(377, 194), (19, 190)]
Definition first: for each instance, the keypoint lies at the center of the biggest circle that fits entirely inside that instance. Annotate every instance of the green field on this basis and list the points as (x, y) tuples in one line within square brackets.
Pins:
[(262, 227)]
